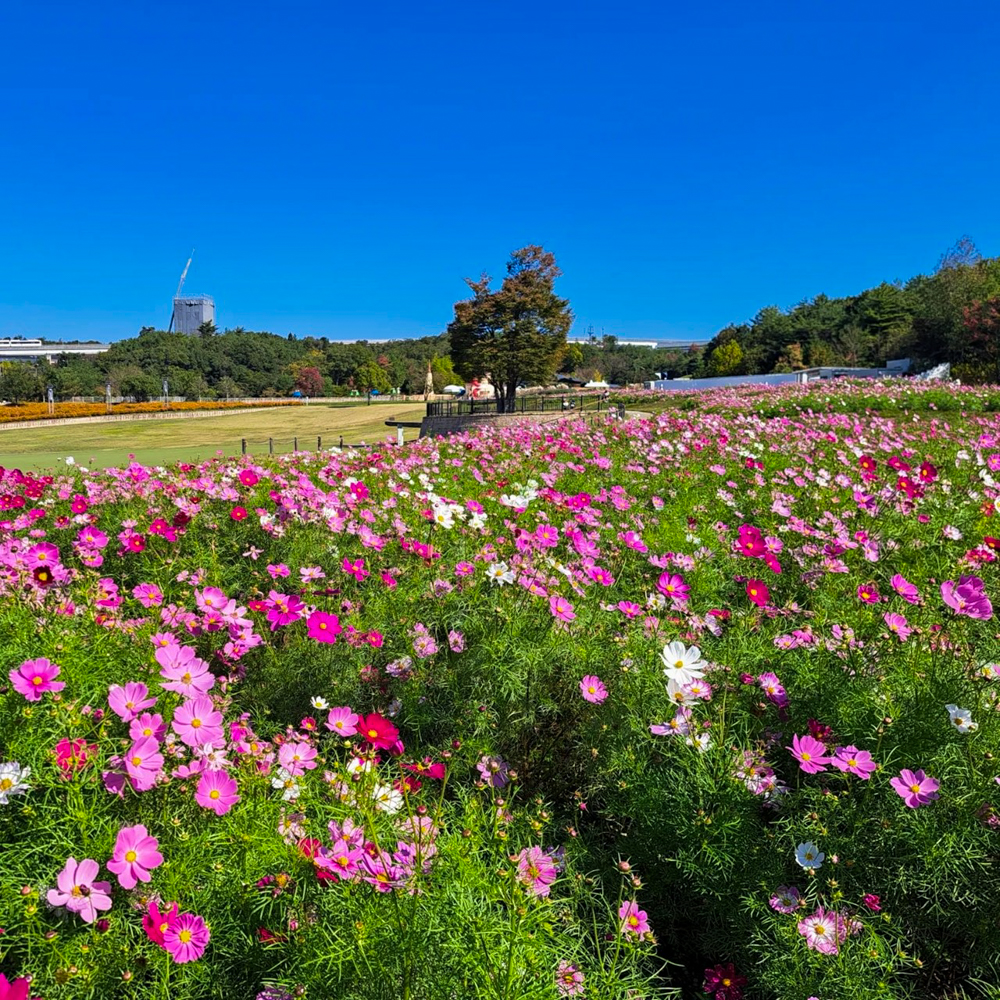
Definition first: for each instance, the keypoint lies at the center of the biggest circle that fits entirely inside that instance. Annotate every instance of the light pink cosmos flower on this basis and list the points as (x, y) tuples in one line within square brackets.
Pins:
[(183, 671), (536, 870), (144, 762), (851, 760), (148, 724), (216, 791), (810, 753), (569, 980), (198, 722), (786, 899), (78, 892), (823, 930), (915, 788), (593, 690), (297, 758), (898, 625), (342, 721), (967, 597), (148, 595), (135, 856), (633, 920), (186, 938), (34, 677), (127, 702)]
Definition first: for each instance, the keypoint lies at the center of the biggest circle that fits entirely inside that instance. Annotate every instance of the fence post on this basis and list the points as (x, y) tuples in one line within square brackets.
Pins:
[(341, 440), (270, 446), (243, 446), (399, 435), (295, 444), (319, 443)]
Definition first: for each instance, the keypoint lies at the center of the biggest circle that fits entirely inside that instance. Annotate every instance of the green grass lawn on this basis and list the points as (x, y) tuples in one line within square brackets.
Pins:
[(159, 442)]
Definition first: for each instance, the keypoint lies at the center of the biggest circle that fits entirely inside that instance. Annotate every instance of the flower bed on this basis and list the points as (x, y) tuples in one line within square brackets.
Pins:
[(40, 411), (701, 705)]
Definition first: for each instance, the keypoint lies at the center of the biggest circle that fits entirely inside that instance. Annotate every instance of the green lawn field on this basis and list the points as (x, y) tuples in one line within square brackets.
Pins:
[(160, 442)]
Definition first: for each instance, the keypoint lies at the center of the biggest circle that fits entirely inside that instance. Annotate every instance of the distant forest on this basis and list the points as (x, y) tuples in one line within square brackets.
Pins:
[(951, 315)]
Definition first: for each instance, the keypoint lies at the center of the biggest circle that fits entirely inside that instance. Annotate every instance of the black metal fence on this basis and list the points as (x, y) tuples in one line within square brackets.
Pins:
[(522, 404)]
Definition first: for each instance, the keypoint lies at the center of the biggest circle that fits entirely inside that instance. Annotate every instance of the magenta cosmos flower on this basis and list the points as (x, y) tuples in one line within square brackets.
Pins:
[(593, 689), (16, 989), (536, 870), (810, 753), (216, 791), (135, 856), (758, 592), (905, 589), (144, 762), (723, 982), (898, 625), (186, 937), (672, 585), (282, 609), (868, 594), (633, 920), (323, 627), (967, 597), (34, 677), (78, 892), (198, 722), (915, 788)]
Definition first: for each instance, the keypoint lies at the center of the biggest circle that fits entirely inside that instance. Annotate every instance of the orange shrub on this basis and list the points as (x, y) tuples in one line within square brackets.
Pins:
[(40, 411)]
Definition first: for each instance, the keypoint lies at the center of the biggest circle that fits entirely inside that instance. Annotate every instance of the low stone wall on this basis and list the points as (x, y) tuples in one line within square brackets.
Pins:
[(443, 426)]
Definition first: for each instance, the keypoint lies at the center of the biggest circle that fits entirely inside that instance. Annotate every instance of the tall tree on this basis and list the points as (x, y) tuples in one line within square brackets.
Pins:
[(515, 334)]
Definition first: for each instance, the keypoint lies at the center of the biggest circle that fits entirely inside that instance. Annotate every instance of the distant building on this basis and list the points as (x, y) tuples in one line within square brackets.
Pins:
[(190, 311), (23, 349)]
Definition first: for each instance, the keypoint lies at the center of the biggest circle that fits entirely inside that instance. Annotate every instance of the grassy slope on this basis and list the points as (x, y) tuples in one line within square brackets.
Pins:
[(162, 441)]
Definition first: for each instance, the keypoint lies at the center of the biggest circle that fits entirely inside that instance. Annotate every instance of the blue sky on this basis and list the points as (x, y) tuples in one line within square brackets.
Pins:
[(341, 167)]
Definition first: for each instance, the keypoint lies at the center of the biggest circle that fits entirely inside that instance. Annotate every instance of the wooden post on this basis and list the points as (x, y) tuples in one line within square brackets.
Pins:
[(341, 440), (295, 444), (270, 446), (243, 446), (319, 443)]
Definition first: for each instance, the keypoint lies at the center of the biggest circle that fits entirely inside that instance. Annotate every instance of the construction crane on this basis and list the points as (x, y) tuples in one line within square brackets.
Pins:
[(177, 294)]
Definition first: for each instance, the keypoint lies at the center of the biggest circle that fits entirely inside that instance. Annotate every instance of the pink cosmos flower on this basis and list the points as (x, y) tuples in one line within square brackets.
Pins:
[(823, 931), (851, 760), (72, 755), (127, 702), (323, 627), (786, 899), (135, 856), (810, 753), (493, 771), (915, 788), (78, 892), (898, 625), (248, 477), (148, 724), (377, 731), (342, 721), (868, 593), (633, 920), (144, 762), (773, 689), (750, 541), (34, 677), (569, 980), (216, 791), (561, 608), (355, 568), (536, 870), (183, 671), (593, 689), (340, 861), (186, 938), (198, 722), (297, 758), (629, 609), (148, 595), (42, 554), (967, 597)]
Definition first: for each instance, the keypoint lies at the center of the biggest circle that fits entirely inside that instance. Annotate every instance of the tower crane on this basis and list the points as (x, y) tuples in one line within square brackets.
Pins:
[(177, 294)]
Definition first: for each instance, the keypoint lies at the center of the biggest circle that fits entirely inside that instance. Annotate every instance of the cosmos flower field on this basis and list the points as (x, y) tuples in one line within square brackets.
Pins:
[(698, 705)]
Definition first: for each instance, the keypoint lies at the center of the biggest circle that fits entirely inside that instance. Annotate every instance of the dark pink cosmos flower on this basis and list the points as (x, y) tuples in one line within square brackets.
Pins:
[(238, 513), (873, 902), (34, 677), (135, 856), (750, 541), (186, 937), (377, 731), (355, 567), (915, 788), (868, 593), (672, 585), (810, 753), (536, 870), (72, 755), (851, 760), (724, 983), (16, 989), (758, 593), (282, 609), (323, 627)]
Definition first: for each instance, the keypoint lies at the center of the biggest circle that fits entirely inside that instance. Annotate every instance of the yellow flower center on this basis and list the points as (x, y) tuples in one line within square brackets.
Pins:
[(914, 788), (6, 784), (36, 680), (184, 937), (195, 723), (136, 761), (130, 856), (214, 793)]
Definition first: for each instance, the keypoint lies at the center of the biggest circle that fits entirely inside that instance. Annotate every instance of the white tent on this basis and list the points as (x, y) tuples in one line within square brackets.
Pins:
[(454, 390)]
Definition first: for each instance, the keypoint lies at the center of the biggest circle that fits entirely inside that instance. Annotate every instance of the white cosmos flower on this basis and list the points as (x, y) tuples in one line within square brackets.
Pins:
[(13, 780), (286, 782), (681, 663), (320, 704), (500, 573), (702, 741), (679, 694), (808, 855), (961, 719), (388, 799)]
